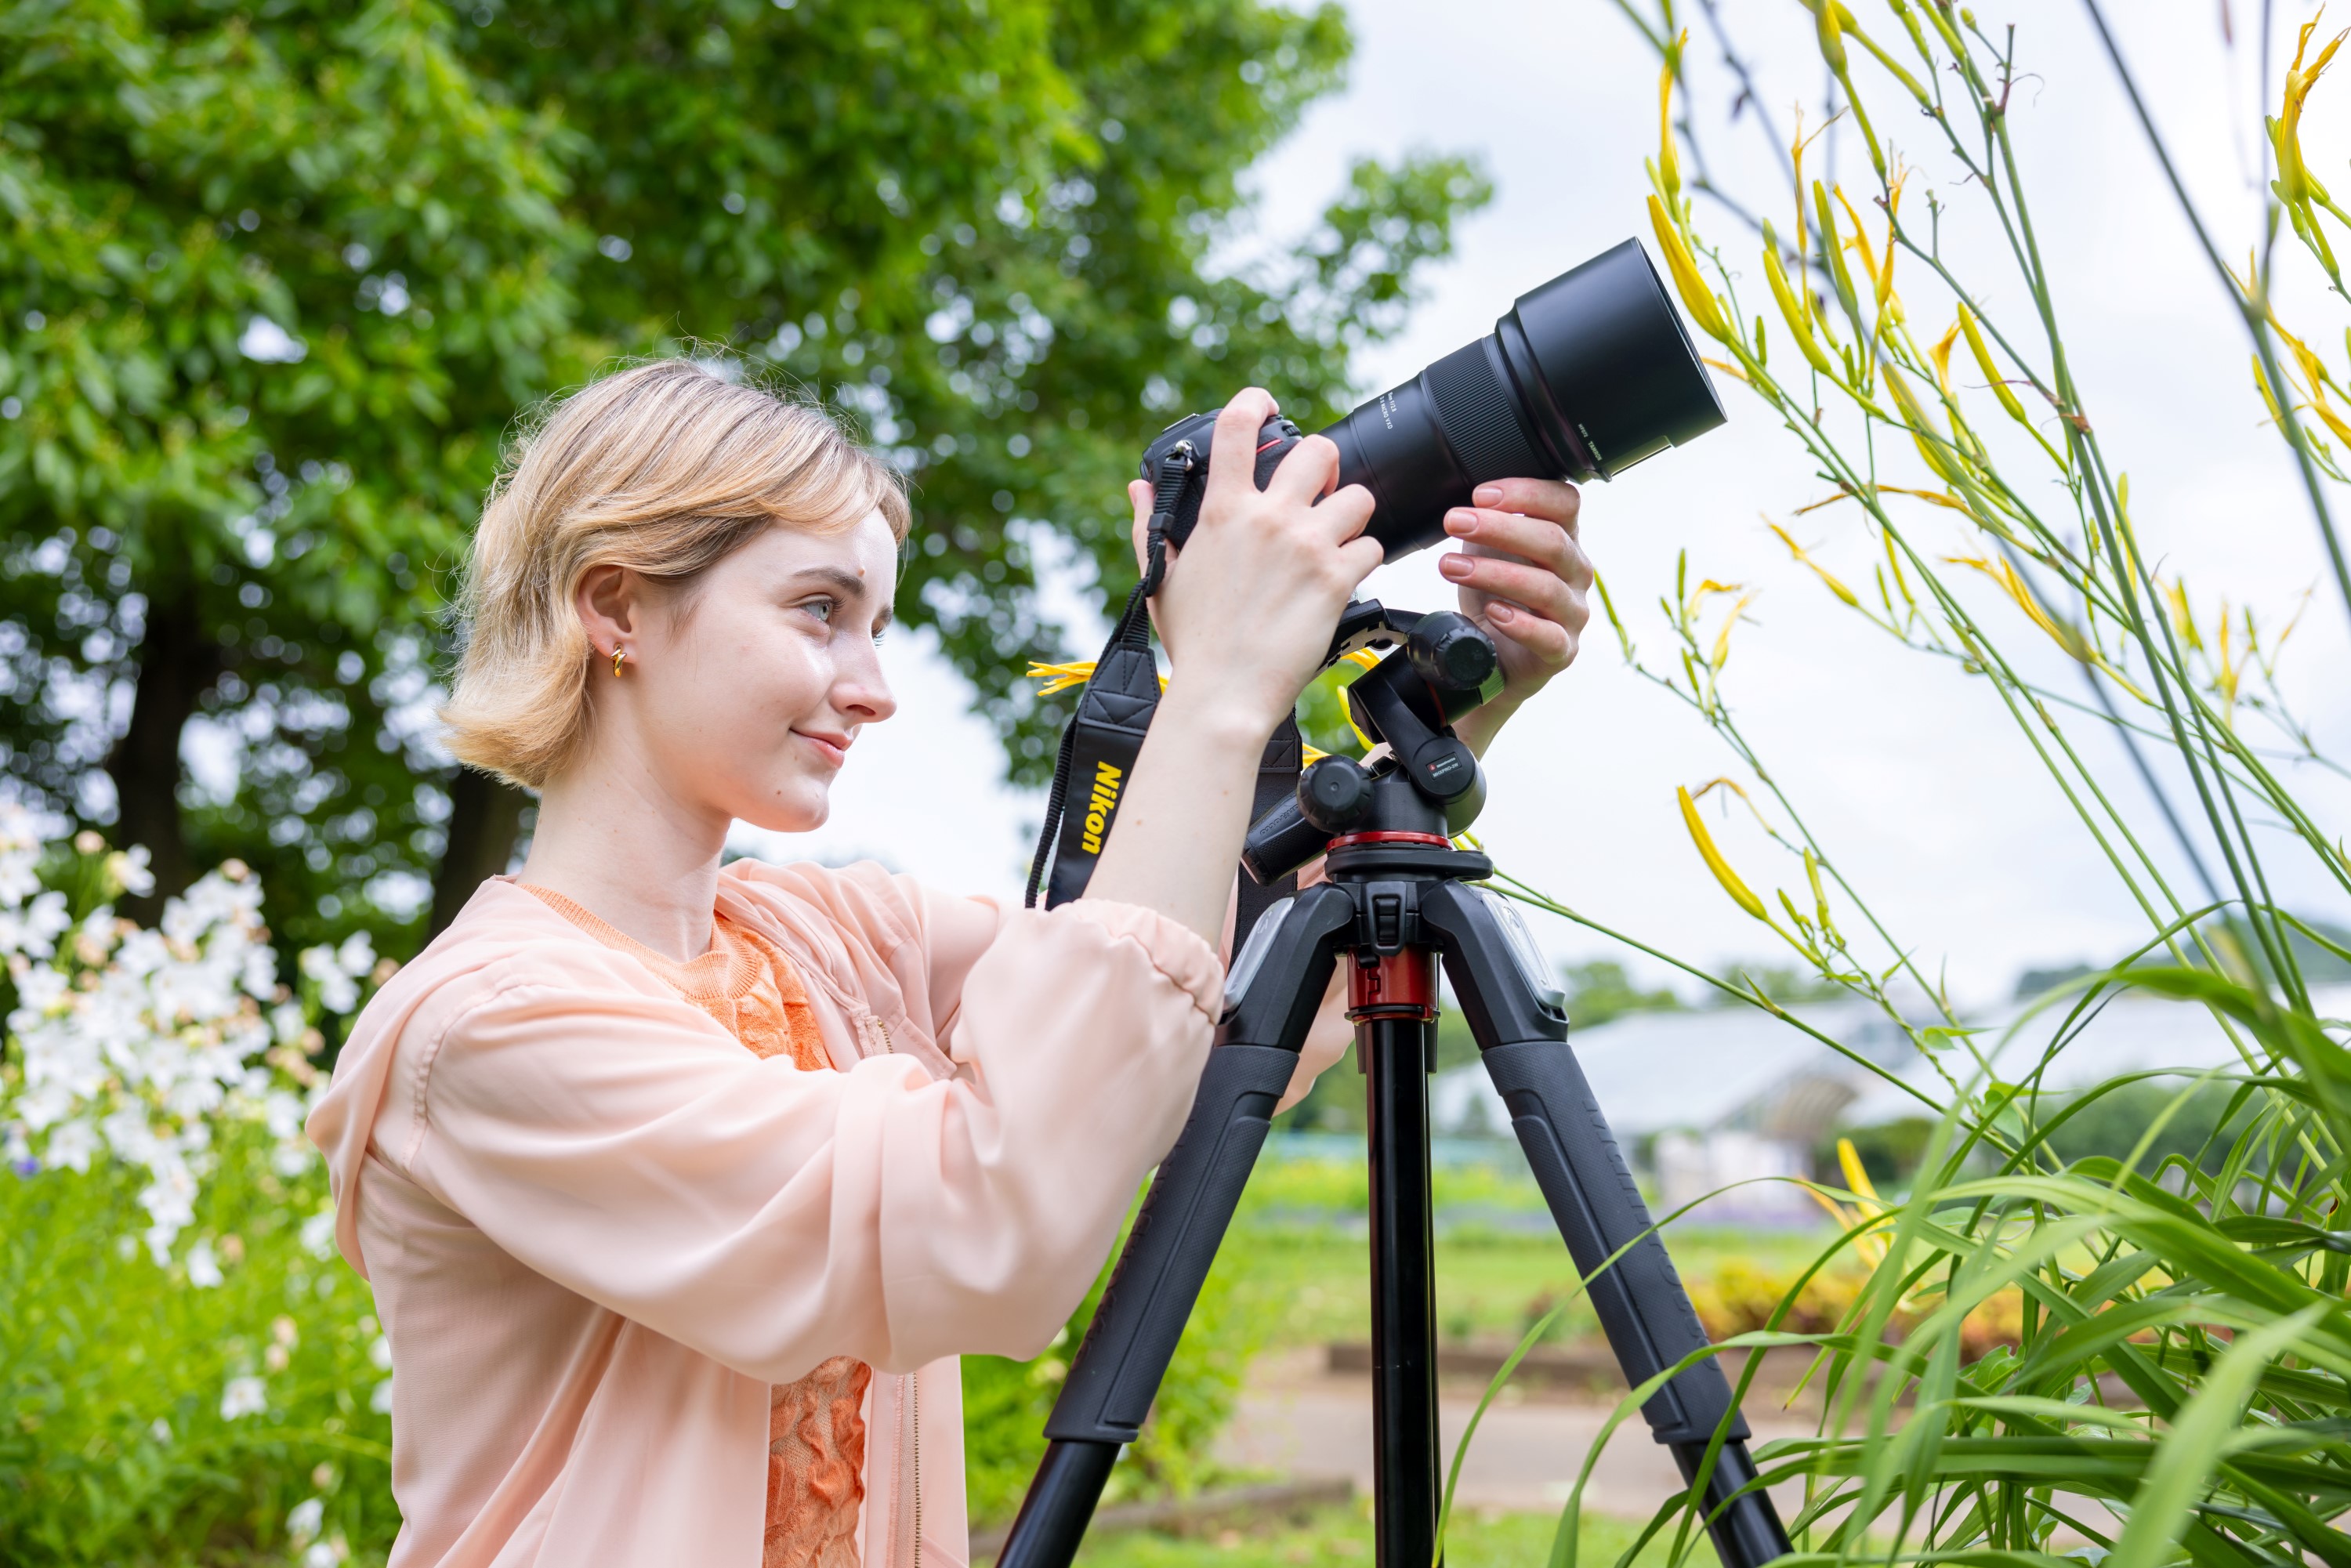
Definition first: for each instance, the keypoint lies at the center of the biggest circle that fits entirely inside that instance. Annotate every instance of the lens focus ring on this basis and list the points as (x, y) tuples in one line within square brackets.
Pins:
[(1478, 414)]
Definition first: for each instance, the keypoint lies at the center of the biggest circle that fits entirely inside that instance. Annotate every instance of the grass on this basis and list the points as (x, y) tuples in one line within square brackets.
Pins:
[(1315, 1280), (1343, 1535)]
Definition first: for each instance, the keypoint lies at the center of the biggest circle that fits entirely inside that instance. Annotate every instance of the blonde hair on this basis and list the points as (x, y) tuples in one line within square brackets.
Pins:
[(664, 468)]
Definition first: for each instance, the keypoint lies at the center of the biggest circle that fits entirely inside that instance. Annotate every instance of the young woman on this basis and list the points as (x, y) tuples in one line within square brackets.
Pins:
[(681, 1187)]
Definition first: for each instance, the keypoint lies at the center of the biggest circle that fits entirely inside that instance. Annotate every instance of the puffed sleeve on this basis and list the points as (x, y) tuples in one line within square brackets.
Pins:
[(623, 1145)]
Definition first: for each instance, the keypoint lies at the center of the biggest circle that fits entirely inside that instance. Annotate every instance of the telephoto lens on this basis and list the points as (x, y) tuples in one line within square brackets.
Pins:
[(1584, 377)]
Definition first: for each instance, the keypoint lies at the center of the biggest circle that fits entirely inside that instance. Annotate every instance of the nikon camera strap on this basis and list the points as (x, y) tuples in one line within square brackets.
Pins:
[(1104, 736)]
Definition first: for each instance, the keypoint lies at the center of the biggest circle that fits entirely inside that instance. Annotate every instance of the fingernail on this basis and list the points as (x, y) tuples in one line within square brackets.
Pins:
[(1454, 565), (1460, 520), (1501, 614), (1488, 495)]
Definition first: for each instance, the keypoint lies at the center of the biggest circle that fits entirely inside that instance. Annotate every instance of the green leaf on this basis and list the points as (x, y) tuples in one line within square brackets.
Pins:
[(2198, 1442)]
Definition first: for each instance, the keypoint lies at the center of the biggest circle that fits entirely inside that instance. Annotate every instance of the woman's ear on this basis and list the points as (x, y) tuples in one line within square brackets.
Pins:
[(609, 600)]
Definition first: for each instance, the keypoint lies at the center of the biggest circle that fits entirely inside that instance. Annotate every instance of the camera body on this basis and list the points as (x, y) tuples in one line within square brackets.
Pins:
[(1187, 442)]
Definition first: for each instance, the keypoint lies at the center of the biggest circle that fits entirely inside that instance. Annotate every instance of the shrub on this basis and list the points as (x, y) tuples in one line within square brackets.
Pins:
[(1742, 1296), (187, 1372), (147, 1417)]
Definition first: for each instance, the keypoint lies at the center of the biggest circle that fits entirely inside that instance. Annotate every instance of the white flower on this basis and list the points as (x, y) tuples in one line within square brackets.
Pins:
[(356, 957), (258, 976), (303, 1523), (137, 1044), (130, 871), (203, 1269), (318, 1234), (381, 1400), (243, 1396), (35, 928), (161, 1431), (337, 993), (38, 989), (326, 1554), (380, 1352)]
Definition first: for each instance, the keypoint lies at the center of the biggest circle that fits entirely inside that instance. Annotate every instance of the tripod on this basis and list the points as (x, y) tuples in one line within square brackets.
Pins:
[(1398, 898)]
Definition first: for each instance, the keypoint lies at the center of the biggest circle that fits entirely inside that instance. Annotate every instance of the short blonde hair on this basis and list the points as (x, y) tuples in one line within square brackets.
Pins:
[(663, 468)]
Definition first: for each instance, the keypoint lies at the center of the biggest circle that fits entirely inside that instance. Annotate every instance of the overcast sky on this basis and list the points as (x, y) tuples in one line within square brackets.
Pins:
[(1915, 779)]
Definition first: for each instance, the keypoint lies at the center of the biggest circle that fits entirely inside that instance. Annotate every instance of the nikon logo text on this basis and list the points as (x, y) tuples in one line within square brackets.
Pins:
[(1099, 808)]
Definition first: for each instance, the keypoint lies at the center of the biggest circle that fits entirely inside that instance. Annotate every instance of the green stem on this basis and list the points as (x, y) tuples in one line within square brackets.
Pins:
[(2254, 313)]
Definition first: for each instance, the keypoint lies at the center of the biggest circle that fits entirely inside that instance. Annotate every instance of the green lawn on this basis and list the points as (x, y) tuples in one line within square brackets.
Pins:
[(1315, 1279), (1343, 1536)]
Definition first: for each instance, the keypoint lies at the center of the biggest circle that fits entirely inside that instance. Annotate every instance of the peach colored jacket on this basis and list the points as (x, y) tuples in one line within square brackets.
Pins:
[(599, 1230)]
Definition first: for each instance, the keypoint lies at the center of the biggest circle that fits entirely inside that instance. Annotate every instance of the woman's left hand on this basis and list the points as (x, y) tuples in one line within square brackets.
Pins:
[(1523, 578)]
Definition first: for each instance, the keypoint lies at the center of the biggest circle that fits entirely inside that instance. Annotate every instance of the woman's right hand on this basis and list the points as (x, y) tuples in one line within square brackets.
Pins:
[(1247, 613)]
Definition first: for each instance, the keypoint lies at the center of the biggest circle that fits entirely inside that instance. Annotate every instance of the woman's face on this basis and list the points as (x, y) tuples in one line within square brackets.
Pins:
[(742, 695)]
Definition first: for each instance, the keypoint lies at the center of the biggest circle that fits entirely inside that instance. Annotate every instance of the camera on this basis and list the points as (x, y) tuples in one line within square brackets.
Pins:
[(1584, 377)]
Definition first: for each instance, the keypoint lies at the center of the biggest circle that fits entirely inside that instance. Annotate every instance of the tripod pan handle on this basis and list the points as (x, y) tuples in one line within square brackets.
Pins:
[(1116, 1372)]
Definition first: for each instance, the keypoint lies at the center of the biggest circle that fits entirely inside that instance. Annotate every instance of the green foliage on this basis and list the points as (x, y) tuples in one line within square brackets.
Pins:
[(2318, 947), (2216, 1275), (274, 285), (1323, 716), (1285, 1189), (2198, 1123), (284, 278), (1783, 983), (113, 1445), (1889, 1150), (1600, 990), (2118, 1315)]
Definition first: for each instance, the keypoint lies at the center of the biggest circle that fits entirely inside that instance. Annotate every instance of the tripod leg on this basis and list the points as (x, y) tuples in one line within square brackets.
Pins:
[(1640, 1301), (1405, 1466), (1117, 1370)]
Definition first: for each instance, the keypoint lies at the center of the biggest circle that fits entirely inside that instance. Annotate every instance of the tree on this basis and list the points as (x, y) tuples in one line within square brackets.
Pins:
[(287, 279), (1600, 989), (1015, 338), (275, 288)]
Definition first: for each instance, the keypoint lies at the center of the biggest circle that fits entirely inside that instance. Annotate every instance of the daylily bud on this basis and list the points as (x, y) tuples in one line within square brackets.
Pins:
[(1698, 299), (1831, 37), (1982, 353)]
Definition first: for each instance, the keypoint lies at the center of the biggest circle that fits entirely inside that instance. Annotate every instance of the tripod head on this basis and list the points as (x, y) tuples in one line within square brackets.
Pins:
[(1440, 666)]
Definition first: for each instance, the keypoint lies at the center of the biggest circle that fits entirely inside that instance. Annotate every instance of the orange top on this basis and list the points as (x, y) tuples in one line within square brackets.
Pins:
[(816, 1427)]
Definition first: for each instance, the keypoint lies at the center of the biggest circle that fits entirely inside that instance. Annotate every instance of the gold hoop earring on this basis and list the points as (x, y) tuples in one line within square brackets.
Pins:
[(618, 654)]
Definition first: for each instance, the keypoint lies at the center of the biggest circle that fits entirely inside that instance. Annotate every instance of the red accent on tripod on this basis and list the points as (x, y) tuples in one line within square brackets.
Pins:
[(1386, 837), (1398, 985)]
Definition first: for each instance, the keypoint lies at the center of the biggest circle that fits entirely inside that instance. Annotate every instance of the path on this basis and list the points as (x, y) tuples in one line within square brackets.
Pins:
[(1297, 1419)]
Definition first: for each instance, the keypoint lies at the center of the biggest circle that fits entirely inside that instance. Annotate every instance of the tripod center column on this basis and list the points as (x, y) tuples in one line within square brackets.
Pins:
[(1393, 999)]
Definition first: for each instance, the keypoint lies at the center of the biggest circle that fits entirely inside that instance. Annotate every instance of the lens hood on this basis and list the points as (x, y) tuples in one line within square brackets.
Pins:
[(1600, 357)]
